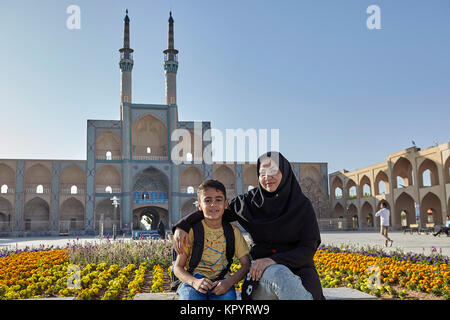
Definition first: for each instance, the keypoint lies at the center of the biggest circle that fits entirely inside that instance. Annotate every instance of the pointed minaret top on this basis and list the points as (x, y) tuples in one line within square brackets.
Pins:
[(126, 37), (171, 47)]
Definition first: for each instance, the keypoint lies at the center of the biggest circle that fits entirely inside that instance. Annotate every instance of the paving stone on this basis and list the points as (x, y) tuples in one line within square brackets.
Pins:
[(329, 293), (156, 296), (346, 294)]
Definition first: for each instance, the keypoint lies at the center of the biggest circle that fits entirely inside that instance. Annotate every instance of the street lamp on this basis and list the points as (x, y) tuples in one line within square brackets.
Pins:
[(115, 203)]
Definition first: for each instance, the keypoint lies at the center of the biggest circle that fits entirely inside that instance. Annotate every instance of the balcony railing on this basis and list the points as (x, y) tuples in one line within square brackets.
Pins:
[(69, 192), (104, 157), (9, 191), (102, 190), (34, 191), (157, 158), (184, 189), (126, 55)]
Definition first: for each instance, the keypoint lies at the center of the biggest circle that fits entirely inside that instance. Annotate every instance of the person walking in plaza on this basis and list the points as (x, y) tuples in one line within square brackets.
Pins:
[(384, 214), (444, 229)]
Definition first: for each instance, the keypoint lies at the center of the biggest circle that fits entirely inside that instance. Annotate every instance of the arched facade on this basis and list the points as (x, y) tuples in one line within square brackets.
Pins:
[(409, 180)]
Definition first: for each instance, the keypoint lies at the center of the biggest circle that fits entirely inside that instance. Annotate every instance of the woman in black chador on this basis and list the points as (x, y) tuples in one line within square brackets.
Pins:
[(283, 226)]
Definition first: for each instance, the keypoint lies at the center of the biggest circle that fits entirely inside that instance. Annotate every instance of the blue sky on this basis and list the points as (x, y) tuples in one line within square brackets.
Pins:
[(339, 92)]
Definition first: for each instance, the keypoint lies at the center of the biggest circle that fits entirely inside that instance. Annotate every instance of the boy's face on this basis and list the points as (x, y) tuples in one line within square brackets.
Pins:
[(213, 203)]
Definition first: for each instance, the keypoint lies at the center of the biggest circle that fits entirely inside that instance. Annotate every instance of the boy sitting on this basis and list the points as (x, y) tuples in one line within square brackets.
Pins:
[(210, 280)]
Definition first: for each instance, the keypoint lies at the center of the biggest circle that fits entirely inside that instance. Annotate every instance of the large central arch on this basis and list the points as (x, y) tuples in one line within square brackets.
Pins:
[(156, 215)]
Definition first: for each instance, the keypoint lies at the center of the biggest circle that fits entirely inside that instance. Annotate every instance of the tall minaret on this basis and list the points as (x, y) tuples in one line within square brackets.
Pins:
[(126, 65), (171, 67)]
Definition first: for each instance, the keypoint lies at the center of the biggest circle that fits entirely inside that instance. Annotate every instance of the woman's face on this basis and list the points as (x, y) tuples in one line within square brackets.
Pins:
[(269, 175)]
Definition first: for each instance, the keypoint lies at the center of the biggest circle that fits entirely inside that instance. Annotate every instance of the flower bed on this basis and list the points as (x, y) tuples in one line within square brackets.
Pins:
[(378, 273), (120, 270)]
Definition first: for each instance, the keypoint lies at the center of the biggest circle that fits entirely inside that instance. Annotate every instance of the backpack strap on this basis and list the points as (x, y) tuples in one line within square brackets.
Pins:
[(196, 254), (230, 243), (197, 248)]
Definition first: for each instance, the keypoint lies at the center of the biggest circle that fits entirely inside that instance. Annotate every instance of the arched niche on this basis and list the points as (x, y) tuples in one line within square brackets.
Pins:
[(149, 132), (402, 169), (108, 146)]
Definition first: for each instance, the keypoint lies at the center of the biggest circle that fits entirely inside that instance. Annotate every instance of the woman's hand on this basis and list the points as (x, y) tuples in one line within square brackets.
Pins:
[(222, 286), (180, 240), (258, 267)]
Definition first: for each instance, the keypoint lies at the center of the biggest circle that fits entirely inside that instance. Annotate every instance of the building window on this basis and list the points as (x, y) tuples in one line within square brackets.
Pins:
[(404, 219), (366, 191), (382, 187), (189, 156), (149, 150), (338, 193), (108, 189), (74, 190), (190, 189), (400, 182), (40, 189), (108, 155), (426, 178), (4, 189), (352, 192), (430, 218)]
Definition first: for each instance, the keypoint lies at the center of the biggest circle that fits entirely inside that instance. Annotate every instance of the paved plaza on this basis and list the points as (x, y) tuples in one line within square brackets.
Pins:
[(418, 243)]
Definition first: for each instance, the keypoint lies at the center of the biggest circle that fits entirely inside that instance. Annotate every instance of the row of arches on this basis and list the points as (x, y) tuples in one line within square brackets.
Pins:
[(403, 212), (36, 214), (403, 177), (71, 215), (38, 179)]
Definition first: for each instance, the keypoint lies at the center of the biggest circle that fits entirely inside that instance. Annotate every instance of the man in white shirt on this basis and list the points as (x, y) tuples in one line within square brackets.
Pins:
[(384, 213)]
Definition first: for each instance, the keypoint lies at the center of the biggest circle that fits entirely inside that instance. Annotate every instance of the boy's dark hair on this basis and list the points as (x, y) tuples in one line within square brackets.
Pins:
[(216, 184), (384, 204)]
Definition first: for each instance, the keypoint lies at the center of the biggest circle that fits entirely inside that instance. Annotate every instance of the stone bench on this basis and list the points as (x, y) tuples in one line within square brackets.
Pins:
[(343, 293)]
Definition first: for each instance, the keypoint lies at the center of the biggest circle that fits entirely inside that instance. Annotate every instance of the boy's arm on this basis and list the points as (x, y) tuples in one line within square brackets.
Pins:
[(201, 285), (222, 286)]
